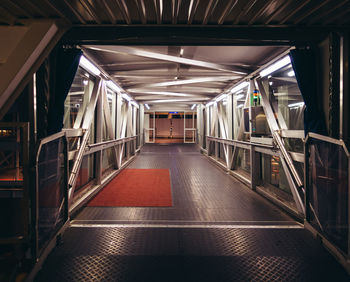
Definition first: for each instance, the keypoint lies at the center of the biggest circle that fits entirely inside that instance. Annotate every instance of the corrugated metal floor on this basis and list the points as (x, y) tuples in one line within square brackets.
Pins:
[(201, 192), (217, 230)]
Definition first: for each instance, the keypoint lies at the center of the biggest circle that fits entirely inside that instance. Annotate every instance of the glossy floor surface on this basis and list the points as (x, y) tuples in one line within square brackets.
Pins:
[(216, 230)]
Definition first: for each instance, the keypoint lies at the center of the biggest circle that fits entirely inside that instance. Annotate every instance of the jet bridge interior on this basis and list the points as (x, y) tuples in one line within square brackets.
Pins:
[(244, 103)]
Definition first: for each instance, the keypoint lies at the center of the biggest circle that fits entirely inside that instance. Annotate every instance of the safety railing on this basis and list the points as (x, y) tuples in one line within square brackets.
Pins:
[(259, 164), (100, 163), (327, 178), (51, 196)]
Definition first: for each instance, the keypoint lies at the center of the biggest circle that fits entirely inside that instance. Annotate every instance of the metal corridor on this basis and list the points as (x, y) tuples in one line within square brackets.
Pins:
[(217, 230)]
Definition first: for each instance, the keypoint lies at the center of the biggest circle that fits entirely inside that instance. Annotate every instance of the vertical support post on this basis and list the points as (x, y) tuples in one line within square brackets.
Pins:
[(142, 120), (341, 86), (199, 131), (334, 84), (184, 127), (119, 116), (99, 126)]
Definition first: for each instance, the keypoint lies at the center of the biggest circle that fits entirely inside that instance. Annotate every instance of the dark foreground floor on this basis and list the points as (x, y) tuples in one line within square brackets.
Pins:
[(217, 230)]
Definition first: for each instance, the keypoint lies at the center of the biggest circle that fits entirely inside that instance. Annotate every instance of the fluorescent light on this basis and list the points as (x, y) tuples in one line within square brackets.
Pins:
[(221, 97), (126, 97), (113, 86), (291, 73), (85, 82), (146, 105), (239, 96), (299, 104), (239, 86), (270, 82), (87, 65), (240, 106), (276, 66), (210, 103), (181, 51), (193, 106)]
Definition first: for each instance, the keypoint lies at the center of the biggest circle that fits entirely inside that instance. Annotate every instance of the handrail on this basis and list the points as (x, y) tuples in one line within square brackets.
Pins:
[(92, 148), (328, 139), (113, 141), (231, 141)]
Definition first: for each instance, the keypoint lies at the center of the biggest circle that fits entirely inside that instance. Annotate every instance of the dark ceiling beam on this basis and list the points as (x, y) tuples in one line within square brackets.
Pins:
[(327, 12), (227, 11), (140, 4), (57, 11), (175, 6), (75, 12), (19, 8), (261, 11), (209, 11), (245, 9), (339, 15), (196, 35), (37, 9), (278, 10), (124, 10), (292, 13), (311, 11), (87, 6), (110, 13), (6, 16)]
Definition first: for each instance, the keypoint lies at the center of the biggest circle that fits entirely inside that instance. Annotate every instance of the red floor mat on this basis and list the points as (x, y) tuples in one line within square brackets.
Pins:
[(136, 188)]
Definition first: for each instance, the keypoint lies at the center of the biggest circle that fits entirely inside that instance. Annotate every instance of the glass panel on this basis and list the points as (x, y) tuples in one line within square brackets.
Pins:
[(107, 160), (275, 181), (294, 144), (285, 97), (51, 190), (222, 153), (243, 159), (328, 184), (78, 98), (86, 172)]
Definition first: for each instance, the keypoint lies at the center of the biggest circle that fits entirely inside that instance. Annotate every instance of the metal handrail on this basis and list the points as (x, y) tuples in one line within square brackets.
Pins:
[(92, 148), (238, 142)]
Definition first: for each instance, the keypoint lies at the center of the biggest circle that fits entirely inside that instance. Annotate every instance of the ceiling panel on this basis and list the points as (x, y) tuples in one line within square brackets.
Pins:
[(203, 12)]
